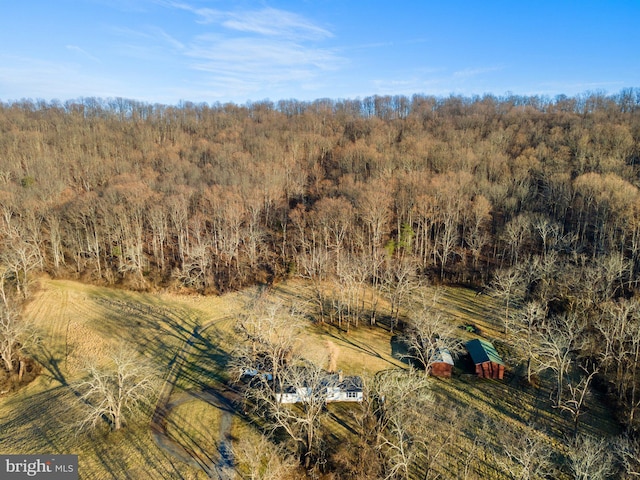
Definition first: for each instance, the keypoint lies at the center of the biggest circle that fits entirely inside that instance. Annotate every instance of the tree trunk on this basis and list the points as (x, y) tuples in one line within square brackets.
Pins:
[(8, 364)]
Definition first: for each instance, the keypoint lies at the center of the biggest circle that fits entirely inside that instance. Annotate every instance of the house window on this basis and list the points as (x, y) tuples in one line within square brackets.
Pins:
[(352, 394)]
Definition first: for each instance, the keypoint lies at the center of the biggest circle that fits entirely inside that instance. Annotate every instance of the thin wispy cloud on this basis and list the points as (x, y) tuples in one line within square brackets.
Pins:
[(254, 49), (474, 72), (266, 21), (81, 51), (246, 50), (164, 36), (245, 55), (275, 23), (149, 34)]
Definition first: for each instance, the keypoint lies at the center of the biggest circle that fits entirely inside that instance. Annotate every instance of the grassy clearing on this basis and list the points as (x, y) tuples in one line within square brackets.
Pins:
[(78, 323), (363, 350), (196, 426), (43, 419)]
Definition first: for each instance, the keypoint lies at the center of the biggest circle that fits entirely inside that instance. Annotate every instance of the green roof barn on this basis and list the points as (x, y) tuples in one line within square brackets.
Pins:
[(486, 358)]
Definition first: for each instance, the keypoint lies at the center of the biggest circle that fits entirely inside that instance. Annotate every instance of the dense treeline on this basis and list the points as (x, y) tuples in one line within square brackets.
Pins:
[(536, 197), (215, 197)]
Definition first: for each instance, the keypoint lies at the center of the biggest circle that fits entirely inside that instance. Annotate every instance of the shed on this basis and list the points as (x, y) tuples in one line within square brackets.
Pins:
[(486, 358), (442, 365)]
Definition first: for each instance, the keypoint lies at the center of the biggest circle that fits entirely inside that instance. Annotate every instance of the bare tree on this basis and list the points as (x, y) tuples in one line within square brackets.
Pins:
[(542, 272), (427, 335), (15, 336), (591, 458), (525, 334), (271, 332), (451, 191), (631, 379), (53, 222), (374, 202), (228, 214), (314, 266), (195, 267), (399, 442), (435, 436), (178, 205), (411, 444), (425, 209), (385, 445), (557, 345), (20, 258), (524, 455), (573, 403), (628, 453), (301, 420), (613, 269), (516, 232), (548, 230), (333, 219), (401, 397), (369, 418), (476, 235), (264, 460), (5, 288), (612, 326), (158, 223), (508, 285), (83, 216), (116, 393), (446, 237), (312, 258), (619, 351), (353, 277), (398, 282)]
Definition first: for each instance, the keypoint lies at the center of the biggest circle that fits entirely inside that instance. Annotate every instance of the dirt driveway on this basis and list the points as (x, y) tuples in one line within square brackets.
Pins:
[(220, 466)]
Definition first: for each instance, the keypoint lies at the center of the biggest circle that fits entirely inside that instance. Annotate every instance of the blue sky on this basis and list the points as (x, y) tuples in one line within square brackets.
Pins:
[(164, 51)]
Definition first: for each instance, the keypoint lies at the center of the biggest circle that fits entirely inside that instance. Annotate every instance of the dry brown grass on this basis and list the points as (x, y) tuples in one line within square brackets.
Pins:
[(78, 323), (196, 426)]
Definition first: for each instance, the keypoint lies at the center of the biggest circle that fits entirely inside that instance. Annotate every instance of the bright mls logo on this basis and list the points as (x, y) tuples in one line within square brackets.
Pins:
[(50, 467)]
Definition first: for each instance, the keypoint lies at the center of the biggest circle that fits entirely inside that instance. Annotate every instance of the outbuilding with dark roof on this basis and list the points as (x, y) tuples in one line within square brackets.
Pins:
[(486, 358)]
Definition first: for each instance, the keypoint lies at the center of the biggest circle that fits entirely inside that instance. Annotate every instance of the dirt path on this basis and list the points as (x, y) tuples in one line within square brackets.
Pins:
[(224, 468), (221, 469)]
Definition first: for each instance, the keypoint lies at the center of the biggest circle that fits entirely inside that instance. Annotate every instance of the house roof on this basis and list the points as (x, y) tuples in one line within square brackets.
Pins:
[(482, 351), (330, 380), (443, 356), (351, 384)]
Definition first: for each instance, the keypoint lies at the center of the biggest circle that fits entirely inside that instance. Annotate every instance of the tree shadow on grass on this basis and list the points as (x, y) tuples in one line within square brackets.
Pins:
[(156, 331), (356, 345), (205, 362), (164, 452), (400, 350), (51, 363), (42, 420), (195, 443)]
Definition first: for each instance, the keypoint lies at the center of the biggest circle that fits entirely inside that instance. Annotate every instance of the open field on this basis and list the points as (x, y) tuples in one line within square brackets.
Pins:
[(80, 323)]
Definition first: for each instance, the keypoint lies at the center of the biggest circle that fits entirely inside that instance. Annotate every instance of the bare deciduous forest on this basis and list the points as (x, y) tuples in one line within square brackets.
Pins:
[(534, 201)]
